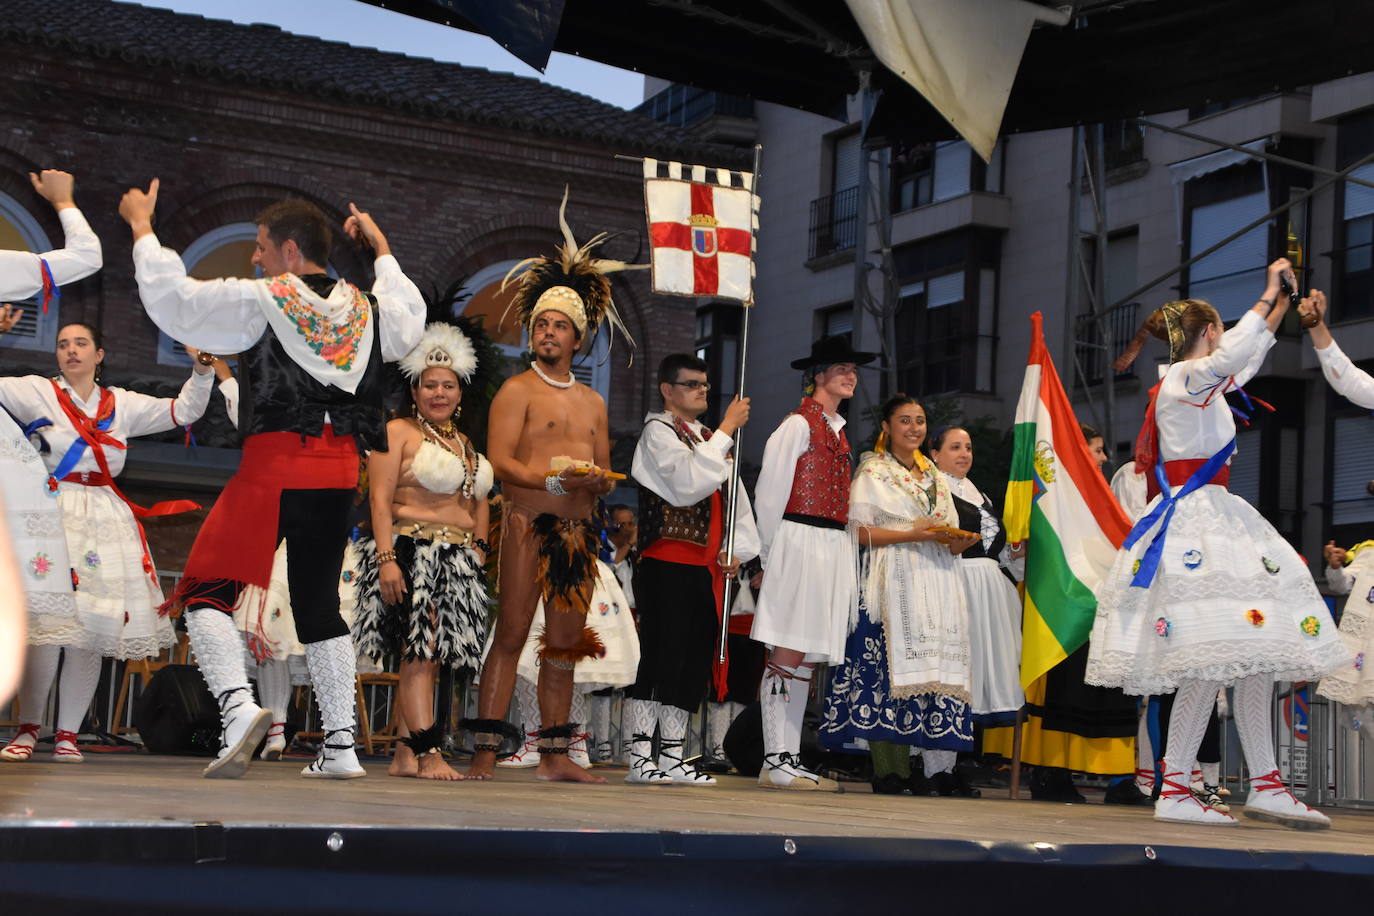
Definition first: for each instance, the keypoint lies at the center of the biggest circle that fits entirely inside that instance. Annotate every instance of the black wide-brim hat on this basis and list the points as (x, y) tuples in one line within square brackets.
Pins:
[(831, 350)]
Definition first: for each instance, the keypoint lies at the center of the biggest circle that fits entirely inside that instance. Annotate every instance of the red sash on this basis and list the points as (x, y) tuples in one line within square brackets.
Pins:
[(97, 439)]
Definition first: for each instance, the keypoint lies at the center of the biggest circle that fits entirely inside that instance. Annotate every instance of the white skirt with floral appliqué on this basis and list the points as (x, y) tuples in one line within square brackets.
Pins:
[(1231, 599), (116, 598)]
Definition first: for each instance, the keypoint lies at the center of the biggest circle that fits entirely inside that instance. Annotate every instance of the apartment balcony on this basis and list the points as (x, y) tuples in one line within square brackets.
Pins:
[(834, 224)]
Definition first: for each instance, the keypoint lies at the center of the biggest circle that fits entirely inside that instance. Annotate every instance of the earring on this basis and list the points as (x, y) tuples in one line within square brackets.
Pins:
[(457, 412)]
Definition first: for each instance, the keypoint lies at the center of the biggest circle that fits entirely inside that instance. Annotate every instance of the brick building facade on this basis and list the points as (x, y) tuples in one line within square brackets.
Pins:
[(462, 168)]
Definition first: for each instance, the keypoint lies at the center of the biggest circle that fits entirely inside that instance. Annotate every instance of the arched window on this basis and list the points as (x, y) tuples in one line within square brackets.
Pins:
[(223, 252), (19, 231), (484, 298)]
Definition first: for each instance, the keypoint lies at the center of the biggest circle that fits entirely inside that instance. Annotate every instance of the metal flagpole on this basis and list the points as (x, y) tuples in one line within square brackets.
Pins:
[(739, 433)]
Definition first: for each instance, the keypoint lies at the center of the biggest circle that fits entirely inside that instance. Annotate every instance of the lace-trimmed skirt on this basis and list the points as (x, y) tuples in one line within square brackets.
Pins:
[(1353, 683), (441, 618), (38, 540), (1231, 600), (609, 615), (859, 703), (116, 600)]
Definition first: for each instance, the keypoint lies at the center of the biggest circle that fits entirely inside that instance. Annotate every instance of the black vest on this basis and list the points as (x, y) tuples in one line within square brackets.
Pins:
[(970, 519), (276, 395), (659, 519)]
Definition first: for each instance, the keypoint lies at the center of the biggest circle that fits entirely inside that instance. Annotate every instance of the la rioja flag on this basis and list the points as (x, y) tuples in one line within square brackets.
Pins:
[(701, 229)]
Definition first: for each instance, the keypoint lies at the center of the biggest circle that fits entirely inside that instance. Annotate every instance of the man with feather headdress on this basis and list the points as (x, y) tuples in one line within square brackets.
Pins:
[(548, 538)]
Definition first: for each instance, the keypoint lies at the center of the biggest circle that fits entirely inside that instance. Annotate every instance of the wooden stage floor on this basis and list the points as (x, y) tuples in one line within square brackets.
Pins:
[(140, 789)]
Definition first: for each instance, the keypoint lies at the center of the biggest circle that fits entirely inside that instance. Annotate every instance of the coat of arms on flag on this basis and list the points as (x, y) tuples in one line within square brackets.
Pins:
[(701, 229)]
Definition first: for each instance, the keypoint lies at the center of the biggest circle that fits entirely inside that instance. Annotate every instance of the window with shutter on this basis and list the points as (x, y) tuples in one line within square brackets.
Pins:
[(1229, 276), (1353, 469)]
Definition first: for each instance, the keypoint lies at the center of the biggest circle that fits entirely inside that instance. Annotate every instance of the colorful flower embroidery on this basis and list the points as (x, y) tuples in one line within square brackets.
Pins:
[(92, 559), (1359, 661), (1311, 626), (1255, 616), (1192, 559), (76, 581), (335, 344), (348, 575), (1135, 567), (603, 608), (1162, 627), (51, 488), (40, 565), (1269, 565)]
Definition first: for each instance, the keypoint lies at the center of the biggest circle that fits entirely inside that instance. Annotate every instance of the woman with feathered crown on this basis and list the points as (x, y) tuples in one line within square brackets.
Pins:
[(422, 593)]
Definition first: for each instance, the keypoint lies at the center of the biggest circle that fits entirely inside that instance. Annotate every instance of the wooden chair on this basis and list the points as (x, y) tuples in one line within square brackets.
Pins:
[(387, 735), (144, 669), (370, 740)]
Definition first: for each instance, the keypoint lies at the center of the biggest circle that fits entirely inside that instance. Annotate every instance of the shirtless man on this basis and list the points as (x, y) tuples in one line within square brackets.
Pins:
[(536, 416)]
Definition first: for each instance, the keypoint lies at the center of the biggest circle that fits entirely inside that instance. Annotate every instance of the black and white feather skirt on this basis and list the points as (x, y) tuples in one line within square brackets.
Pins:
[(443, 616)]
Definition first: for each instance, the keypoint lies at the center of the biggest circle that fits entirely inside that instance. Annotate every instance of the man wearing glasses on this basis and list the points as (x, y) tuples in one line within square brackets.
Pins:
[(681, 468)]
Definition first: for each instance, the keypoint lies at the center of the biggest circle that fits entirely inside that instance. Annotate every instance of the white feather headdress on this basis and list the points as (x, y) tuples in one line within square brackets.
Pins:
[(443, 346)]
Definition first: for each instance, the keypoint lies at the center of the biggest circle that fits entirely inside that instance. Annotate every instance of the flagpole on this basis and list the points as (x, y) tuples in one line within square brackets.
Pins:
[(739, 433)]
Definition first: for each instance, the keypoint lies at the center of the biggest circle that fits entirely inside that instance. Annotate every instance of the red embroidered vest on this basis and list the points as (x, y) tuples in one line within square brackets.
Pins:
[(820, 484)]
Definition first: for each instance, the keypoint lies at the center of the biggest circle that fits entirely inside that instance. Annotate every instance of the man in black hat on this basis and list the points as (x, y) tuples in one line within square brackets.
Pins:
[(802, 506)]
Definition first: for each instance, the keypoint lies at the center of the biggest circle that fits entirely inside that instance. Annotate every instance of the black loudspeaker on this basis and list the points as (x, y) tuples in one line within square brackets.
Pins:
[(744, 741), (177, 715)]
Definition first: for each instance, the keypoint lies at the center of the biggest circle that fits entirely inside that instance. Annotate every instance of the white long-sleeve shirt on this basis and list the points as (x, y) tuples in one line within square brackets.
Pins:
[(1189, 431), (685, 476), (787, 443), (29, 397), (1345, 377), (21, 272), (226, 315)]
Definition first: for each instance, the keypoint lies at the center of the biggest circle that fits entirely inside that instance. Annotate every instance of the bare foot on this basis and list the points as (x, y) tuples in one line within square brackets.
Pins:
[(483, 765), (558, 768), (403, 761), (434, 766)]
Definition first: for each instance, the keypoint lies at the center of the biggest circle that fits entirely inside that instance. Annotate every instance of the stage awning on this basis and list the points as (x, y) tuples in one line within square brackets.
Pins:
[(1115, 60)]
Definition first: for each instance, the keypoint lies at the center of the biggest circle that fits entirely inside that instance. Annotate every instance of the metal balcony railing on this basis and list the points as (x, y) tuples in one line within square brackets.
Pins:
[(834, 223), (1120, 325)]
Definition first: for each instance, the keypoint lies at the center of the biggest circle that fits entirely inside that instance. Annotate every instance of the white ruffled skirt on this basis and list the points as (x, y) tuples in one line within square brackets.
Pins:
[(808, 590), (116, 599), (1353, 683), (994, 634), (39, 542), (610, 617), (1231, 599)]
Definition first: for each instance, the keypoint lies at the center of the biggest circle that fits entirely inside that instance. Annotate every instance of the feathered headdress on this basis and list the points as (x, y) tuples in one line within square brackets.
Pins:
[(571, 282), (444, 346)]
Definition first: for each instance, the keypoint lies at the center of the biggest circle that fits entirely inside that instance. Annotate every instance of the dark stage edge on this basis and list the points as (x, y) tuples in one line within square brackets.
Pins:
[(147, 835), (267, 868)]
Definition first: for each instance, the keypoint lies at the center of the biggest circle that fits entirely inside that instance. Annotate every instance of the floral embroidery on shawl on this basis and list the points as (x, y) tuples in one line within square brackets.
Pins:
[(336, 344)]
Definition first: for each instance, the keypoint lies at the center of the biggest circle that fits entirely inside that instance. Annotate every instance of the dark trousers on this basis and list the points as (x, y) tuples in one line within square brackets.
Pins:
[(677, 633), (315, 526)]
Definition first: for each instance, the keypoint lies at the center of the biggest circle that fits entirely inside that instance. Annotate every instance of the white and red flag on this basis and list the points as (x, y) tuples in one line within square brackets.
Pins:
[(701, 229)]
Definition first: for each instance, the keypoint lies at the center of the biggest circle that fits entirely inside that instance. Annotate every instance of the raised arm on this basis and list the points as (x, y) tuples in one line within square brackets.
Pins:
[(21, 272), (398, 300), (681, 475), (144, 414), (1347, 379), (220, 316)]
